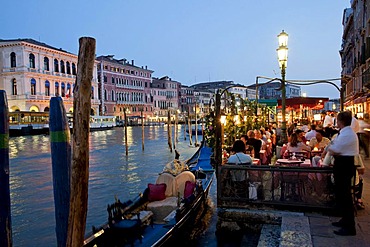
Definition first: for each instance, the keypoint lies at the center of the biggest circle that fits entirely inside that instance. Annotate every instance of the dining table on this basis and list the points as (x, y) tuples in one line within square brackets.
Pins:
[(294, 162)]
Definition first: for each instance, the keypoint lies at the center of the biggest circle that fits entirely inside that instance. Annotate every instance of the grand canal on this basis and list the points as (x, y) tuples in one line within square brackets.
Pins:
[(112, 173)]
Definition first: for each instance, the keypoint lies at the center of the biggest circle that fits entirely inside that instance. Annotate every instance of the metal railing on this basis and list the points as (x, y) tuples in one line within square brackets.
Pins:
[(242, 186)]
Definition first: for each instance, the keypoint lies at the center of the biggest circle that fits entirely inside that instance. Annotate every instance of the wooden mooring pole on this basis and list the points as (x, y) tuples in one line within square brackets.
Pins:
[(184, 128), (60, 144), (80, 156), (5, 215), (126, 141), (169, 130), (189, 128), (142, 130), (176, 126), (175, 132)]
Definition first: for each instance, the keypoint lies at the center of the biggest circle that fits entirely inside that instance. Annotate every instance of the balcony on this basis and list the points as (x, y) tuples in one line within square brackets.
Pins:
[(129, 87), (32, 70), (129, 102)]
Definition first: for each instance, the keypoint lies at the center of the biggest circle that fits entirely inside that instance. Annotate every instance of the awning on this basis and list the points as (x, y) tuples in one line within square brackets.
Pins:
[(310, 102)]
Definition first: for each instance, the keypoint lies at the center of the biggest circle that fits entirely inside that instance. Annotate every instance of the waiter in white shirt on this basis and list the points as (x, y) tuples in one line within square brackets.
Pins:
[(344, 148), (328, 121)]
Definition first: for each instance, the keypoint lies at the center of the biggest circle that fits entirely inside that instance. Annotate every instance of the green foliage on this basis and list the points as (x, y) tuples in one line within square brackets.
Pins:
[(209, 131), (240, 117)]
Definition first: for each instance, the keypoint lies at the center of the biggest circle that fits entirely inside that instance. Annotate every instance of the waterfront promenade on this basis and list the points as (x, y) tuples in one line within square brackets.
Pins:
[(299, 229), (322, 231)]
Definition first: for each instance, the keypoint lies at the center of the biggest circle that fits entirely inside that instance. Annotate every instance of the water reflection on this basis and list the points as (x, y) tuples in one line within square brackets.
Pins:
[(111, 173)]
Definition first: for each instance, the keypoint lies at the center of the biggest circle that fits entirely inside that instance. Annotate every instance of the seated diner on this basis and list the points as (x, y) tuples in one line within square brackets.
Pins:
[(296, 146)]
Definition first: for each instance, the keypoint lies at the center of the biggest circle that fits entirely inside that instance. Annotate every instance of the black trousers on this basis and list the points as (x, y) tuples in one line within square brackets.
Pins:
[(344, 169)]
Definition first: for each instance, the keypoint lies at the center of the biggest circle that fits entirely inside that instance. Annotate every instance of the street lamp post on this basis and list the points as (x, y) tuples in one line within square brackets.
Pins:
[(282, 52)]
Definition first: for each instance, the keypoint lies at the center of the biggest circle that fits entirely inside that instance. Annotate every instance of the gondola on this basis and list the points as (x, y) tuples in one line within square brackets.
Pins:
[(154, 219)]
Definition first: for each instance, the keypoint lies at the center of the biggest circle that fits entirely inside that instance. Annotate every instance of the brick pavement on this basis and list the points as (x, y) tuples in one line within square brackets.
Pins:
[(322, 231)]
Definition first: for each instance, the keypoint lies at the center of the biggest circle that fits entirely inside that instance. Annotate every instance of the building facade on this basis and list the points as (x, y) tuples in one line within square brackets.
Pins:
[(355, 57), (165, 93), (272, 90), (187, 101), (32, 72), (124, 86)]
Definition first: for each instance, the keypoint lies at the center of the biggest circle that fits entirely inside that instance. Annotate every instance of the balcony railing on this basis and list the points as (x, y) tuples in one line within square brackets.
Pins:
[(302, 187), (129, 86), (44, 97), (130, 102)]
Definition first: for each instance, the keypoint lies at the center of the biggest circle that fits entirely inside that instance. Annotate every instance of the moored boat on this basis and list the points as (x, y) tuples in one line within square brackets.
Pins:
[(159, 214), (28, 123), (23, 123)]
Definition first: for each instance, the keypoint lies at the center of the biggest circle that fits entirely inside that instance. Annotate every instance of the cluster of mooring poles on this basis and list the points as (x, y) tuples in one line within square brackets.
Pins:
[(70, 158), (70, 165)]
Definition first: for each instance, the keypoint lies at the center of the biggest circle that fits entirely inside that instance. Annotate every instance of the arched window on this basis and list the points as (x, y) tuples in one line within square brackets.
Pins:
[(114, 109), (92, 93), (73, 69), (46, 63), (14, 86), (32, 61), (56, 93), (63, 91), (68, 68), (112, 95), (47, 88), (62, 68), (13, 60), (68, 90), (56, 65), (33, 86)]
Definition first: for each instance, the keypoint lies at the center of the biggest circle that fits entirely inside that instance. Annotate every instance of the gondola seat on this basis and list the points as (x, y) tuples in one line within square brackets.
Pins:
[(175, 187), (162, 208), (181, 180)]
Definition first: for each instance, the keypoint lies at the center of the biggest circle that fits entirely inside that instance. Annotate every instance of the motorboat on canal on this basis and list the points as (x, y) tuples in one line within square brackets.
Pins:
[(164, 210)]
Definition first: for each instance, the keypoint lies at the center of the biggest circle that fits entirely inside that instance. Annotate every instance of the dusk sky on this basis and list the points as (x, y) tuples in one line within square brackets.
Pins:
[(194, 41)]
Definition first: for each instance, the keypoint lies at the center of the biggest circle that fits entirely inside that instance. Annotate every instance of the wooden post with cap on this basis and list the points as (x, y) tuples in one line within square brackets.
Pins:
[(60, 145), (80, 144)]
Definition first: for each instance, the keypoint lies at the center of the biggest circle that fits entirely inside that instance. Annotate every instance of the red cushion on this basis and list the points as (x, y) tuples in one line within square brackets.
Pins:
[(189, 189), (157, 192)]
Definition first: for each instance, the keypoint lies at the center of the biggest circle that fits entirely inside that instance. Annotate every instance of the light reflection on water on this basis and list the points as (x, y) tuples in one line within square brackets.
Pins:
[(111, 173)]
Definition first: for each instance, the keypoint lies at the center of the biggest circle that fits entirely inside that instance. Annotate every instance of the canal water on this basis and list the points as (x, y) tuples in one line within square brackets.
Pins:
[(112, 173)]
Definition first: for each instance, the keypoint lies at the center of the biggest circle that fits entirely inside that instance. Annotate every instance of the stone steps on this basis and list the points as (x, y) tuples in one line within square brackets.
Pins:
[(293, 231), (270, 236)]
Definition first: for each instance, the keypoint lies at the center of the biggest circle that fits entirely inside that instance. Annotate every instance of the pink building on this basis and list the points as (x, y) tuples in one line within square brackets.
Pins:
[(165, 93), (122, 85)]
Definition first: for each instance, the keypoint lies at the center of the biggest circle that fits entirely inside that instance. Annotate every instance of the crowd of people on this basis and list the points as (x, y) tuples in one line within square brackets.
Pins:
[(335, 141)]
